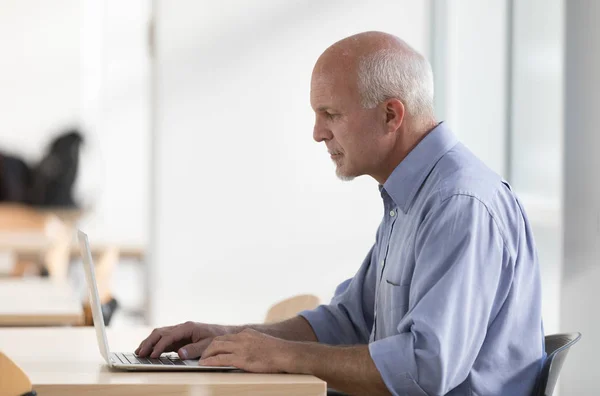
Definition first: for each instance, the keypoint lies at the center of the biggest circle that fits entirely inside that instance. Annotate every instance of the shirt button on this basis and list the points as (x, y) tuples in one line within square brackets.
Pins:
[(393, 213), (382, 262)]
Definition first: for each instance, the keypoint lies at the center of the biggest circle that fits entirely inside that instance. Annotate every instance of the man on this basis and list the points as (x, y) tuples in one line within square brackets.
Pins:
[(447, 301)]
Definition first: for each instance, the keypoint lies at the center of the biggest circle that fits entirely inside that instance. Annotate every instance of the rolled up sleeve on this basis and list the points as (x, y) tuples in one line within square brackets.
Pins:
[(460, 254)]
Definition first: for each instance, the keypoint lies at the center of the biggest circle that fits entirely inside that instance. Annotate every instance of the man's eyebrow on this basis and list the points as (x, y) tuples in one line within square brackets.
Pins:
[(323, 108)]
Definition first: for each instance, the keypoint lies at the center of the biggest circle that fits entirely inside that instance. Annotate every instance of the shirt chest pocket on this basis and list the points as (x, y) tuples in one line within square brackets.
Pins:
[(395, 284), (399, 261), (396, 277), (394, 298), (399, 270)]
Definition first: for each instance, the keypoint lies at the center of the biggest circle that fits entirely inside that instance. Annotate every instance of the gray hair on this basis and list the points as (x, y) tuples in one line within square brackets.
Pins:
[(404, 75)]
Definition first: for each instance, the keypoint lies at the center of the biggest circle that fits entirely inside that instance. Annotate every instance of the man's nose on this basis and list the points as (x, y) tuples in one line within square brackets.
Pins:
[(321, 134)]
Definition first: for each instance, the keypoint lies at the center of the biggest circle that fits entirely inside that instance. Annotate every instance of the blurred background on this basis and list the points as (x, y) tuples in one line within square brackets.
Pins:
[(178, 135)]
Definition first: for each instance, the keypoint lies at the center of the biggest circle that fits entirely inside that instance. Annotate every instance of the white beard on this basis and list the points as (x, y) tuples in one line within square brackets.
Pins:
[(342, 176)]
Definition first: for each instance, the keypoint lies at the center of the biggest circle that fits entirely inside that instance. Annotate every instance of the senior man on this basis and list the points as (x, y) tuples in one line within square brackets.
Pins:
[(448, 299)]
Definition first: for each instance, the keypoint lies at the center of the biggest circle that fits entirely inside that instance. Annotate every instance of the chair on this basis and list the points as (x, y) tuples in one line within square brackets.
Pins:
[(13, 379), (290, 307), (557, 348)]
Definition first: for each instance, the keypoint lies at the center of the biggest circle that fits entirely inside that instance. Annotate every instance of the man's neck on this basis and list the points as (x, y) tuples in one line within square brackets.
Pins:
[(408, 139)]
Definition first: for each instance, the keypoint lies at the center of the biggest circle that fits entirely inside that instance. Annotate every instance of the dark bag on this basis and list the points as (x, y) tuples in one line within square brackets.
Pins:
[(52, 180)]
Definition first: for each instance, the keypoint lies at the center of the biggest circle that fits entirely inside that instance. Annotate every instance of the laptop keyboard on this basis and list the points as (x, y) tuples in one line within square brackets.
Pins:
[(165, 360)]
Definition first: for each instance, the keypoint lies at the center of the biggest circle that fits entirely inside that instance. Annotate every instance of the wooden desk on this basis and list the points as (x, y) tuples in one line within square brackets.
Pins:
[(134, 252), (66, 361), (36, 244), (29, 253), (33, 251), (25, 243), (38, 302)]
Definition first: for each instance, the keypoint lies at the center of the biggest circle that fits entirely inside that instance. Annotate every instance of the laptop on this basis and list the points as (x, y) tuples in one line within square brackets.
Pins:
[(128, 361)]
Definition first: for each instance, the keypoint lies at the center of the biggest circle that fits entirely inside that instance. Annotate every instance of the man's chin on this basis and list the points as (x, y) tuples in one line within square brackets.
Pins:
[(343, 176)]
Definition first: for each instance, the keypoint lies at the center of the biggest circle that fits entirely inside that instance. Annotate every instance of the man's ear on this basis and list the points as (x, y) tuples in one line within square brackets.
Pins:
[(394, 114)]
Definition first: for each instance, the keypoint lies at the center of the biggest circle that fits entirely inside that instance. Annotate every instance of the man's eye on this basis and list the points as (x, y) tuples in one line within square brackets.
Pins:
[(330, 115)]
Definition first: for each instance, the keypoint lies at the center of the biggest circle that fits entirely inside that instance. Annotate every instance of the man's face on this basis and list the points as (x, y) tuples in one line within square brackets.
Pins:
[(355, 136)]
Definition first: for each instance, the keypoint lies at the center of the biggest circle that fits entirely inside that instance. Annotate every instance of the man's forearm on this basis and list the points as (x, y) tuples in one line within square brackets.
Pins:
[(294, 329), (348, 369)]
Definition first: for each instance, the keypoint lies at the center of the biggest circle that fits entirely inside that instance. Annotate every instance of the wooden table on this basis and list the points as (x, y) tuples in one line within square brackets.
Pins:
[(36, 244), (66, 361), (31, 244), (38, 302)]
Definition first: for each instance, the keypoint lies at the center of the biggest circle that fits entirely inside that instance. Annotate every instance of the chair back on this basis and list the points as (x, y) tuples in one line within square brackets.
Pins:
[(13, 379), (557, 348), (290, 307)]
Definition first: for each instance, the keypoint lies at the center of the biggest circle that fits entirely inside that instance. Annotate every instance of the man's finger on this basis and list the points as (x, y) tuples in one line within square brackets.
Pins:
[(141, 346), (195, 350), (218, 347), (174, 338), (147, 345), (164, 343)]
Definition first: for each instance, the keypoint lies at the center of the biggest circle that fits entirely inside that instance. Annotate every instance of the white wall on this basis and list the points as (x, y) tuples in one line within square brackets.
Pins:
[(116, 99), (581, 196), (470, 44), (40, 76), (247, 208), (84, 63)]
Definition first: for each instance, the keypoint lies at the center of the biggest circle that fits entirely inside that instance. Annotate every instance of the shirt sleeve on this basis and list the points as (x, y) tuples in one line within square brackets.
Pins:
[(348, 319), (459, 253)]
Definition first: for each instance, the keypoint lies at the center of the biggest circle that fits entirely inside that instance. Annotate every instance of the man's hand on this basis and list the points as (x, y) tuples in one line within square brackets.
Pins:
[(250, 351), (188, 339), (191, 339)]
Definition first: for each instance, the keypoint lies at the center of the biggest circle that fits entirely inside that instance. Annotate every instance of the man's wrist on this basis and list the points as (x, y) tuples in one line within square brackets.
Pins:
[(297, 357)]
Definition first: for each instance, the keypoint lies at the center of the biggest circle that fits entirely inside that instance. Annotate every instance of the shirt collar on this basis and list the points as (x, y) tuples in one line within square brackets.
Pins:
[(410, 174)]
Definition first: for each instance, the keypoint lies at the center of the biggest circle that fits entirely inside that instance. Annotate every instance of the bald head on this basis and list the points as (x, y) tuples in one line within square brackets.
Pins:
[(373, 100), (350, 49), (380, 66)]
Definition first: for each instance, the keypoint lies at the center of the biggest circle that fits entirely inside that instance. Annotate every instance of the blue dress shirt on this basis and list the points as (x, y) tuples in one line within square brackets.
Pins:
[(449, 296)]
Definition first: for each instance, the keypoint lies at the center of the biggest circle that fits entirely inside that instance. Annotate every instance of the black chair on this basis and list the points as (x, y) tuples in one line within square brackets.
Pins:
[(557, 348)]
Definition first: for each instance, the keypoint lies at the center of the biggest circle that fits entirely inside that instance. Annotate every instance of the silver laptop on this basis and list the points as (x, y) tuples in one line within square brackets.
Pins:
[(128, 361)]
